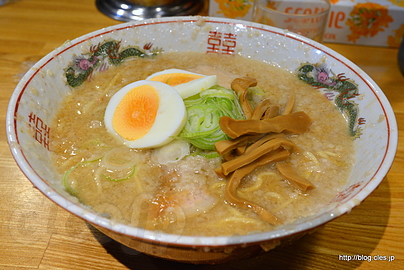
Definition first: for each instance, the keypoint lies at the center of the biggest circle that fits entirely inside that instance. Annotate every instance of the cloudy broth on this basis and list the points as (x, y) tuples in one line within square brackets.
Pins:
[(187, 197)]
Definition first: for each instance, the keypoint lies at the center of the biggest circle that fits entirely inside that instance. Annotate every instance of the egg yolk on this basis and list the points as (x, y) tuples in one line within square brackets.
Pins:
[(174, 79), (135, 114)]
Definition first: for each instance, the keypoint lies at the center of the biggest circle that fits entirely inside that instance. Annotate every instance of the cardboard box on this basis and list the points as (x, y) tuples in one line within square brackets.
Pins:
[(364, 22), (374, 22)]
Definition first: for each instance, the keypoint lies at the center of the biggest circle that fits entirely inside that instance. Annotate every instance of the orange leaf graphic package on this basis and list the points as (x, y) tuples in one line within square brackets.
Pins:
[(366, 22)]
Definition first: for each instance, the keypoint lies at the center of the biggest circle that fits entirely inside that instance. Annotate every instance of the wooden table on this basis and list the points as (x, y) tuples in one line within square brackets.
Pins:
[(37, 234)]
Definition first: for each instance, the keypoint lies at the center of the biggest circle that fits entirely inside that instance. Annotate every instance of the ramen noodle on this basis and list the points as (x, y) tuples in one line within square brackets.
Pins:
[(187, 197)]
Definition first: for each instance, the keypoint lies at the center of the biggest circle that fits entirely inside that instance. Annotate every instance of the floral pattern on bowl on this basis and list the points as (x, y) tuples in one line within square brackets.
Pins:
[(101, 56), (338, 88)]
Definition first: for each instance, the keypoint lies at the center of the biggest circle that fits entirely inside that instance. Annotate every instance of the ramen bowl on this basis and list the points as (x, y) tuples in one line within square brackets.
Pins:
[(37, 97)]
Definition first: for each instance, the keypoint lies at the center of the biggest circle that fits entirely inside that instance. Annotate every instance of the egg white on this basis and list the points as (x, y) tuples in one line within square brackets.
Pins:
[(169, 121), (192, 87)]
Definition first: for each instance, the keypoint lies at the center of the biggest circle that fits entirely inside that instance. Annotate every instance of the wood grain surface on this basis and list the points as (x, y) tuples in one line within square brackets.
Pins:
[(37, 234)]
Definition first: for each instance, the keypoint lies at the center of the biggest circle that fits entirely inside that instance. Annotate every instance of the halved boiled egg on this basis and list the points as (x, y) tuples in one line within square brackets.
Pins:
[(145, 114), (187, 83)]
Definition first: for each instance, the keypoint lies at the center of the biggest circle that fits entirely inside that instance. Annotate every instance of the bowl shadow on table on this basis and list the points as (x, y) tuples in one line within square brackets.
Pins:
[(299, 255)]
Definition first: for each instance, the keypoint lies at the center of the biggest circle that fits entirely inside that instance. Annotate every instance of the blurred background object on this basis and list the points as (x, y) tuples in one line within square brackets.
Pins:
[(3, 2), (306, 17), (135, 10), (401, 57)]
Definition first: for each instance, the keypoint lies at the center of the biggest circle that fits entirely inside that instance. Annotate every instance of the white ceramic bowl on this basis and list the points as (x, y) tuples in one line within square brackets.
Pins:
[(36, 98)]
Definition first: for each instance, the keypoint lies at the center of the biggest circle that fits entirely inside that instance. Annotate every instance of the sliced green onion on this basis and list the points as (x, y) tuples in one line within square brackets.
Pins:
[(172, 152), (204, 111), (121, 179), (206, 153), (65, 178), (256, 90)]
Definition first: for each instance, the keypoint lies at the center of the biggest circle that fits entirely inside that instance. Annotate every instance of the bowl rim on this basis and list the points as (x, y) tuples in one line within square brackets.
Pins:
[(198, 241)]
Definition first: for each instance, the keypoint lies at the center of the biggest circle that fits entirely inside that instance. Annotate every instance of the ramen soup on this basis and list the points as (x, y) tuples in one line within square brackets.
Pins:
[(181, 189)]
